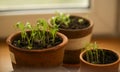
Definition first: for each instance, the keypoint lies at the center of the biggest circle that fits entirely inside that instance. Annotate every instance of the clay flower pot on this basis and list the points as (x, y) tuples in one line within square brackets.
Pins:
[(86, 66), (77, 40), (48, 57)]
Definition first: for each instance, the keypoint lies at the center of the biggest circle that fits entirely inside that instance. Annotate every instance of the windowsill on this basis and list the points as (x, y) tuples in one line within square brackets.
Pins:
[(106, 42), (42, 11)]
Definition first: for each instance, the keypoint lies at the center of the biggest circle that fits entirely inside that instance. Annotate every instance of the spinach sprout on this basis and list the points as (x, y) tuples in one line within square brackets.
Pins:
[(93, 53), (53, 31), (44, 26), (80, 20), (40, 33), (61, 18), (22, 29)]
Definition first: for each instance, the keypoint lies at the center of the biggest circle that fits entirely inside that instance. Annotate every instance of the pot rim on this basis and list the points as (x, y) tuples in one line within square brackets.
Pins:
[(88, 19), (101, 65), (64, 38)]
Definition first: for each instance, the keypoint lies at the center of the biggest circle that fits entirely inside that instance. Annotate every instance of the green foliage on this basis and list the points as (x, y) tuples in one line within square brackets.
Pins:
[(80, 20), (22, 28), (38, 33), (53, 30), (61, 18), (93, 53)]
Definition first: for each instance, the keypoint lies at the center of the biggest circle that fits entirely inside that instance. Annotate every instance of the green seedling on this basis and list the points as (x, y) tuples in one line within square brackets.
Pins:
[(93, 53), (61, 18), (80, 21), (23, 28), (44, 26), (20, 26), (53, 31), (40, 33)]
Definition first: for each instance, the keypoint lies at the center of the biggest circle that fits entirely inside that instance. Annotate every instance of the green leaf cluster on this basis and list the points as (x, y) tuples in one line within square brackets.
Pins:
[(93, 53), (61, 18), (38, 33)]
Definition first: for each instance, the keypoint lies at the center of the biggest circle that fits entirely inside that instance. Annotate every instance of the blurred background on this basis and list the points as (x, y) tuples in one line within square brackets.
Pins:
[(105, 14)]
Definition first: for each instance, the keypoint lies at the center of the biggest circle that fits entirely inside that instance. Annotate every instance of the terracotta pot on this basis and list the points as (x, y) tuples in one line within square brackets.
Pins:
[(48, 57), (77, 40), (89, 67)]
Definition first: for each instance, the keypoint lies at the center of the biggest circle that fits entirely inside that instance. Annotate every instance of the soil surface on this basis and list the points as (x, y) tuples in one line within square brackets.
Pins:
[(37, 44), (108, 57), (75, 24)]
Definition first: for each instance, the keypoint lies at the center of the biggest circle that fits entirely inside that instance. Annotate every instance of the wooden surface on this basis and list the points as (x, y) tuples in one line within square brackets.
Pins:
[(5, 62)]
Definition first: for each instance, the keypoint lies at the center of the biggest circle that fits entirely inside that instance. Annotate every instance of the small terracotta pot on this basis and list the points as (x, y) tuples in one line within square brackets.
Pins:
[(89, 67), (48, 57), (78, 38)]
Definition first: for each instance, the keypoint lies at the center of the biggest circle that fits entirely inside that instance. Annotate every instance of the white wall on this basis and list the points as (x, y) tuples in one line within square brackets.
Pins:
[(102, 13), (118, 16), (104, 16)]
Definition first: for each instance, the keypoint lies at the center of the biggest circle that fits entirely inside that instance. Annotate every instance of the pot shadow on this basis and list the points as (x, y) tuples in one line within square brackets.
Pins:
[(55, 69)]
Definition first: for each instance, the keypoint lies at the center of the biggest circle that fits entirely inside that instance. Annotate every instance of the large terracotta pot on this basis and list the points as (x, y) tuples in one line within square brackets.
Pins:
[(78, 38), (48, 57), (90, 67)]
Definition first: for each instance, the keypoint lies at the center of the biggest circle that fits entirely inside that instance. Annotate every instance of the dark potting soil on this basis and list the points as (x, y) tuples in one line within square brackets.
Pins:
[(37, 43), (75, 24), (108, 57)]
